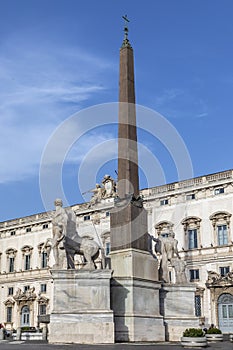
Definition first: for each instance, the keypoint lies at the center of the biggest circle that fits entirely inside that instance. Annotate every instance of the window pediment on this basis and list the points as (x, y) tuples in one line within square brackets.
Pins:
[(9, 302), (42, 300), (11, 252), (220, 216), (164, 227), (27, 249), (191, 222)]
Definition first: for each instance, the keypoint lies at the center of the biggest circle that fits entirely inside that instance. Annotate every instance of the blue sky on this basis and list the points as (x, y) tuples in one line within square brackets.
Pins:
[(58, 57)]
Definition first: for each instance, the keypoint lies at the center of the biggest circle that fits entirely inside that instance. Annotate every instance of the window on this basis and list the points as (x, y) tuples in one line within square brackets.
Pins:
[(194, 275), (164, 235), (218, 190), (10, 291), (164, 202), (9, 314), (43, 288), (190, 196), (224, 270), (192, 239), (45, 226), (192, 230), (42, 309), (107, 248), (26, 288), (86, 217), (197, 305), (11, 264), (43, 260), (107, 213), (12, 233), (27, 262), (222, 234), (28, 229), (25, 316)]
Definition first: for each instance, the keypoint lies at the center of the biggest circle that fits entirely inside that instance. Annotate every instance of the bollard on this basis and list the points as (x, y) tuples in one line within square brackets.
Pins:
[(2, 334), (44, 332), (18, 333)]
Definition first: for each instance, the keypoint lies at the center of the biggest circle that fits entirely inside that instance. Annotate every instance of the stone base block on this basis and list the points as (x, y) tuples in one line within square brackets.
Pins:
[(85, 328), (175, 326), (134, 263), (81, 307), (178, 309), (135, 303), (139, 328)]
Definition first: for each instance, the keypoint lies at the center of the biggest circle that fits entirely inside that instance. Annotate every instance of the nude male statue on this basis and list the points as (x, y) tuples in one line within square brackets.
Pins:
[(167, 247), (59, 223)]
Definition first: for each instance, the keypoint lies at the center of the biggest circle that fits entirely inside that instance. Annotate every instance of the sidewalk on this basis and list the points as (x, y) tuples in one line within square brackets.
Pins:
[(38, 345)]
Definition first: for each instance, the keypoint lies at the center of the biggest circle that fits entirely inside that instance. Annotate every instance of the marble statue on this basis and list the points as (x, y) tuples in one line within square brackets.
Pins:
[(179, 267), (97, 195), (75, 244), (59, 229), (66, 239), (167, 248), (213, 276), (107, 190), (109, 186)]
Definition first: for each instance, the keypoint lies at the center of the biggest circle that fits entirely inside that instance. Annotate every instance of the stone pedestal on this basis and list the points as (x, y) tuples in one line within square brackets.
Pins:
[(2, 337), (135, 297), (178, 308), (81, 307)]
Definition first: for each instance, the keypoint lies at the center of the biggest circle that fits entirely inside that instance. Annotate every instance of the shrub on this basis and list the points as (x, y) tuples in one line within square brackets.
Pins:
[(193, 332), (214, 330), (28, 329)]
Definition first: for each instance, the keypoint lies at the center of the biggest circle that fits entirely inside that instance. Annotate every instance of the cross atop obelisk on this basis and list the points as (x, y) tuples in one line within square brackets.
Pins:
[(126, 30), (128, 183)]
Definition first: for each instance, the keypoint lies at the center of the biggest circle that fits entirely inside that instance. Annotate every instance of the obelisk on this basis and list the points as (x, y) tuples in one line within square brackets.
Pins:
[(134, 286), (129, 220)]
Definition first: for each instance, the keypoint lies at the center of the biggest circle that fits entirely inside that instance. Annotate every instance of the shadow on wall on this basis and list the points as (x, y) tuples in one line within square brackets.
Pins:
[(118, 305)]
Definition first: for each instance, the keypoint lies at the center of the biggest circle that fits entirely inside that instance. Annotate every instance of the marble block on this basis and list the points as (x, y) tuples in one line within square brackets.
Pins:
[(177, 303), (81, 307), (135, 297)]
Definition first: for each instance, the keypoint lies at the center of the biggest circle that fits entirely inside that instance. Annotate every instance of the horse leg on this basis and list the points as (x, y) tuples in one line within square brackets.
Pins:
[(89, 264), (70, 259)]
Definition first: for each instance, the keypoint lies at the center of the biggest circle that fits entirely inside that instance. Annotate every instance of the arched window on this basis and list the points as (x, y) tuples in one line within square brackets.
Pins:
[(221, 226), (25, 316), (191, 226), (225, 312)]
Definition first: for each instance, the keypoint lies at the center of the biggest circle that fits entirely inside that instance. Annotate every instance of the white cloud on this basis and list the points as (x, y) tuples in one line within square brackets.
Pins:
[(39, 87), (167, 96)]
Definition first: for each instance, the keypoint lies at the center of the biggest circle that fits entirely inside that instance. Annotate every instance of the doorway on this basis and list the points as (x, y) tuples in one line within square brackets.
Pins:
[(25, 316), (225, 312)]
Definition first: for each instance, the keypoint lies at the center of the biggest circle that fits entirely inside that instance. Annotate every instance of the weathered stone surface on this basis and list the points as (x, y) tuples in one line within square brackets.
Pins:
[(136, 310), (129, 228), (135, 296), (134, 264), (177, 307), (81, 312)]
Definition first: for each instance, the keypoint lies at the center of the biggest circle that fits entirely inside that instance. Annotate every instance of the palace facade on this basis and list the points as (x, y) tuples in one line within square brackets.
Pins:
[(199, 212)]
